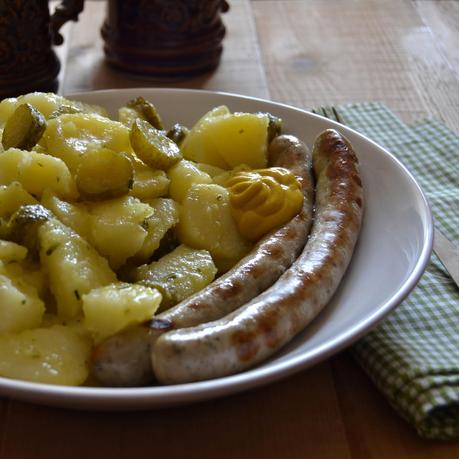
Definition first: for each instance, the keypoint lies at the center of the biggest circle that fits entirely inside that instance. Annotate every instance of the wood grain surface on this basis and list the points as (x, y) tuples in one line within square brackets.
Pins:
[(305, 53)]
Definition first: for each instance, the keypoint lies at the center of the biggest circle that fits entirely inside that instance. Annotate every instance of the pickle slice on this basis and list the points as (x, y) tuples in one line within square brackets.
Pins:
[(274, 125), (147, 111), (24, 224), (24, 128), (177, 133), (152, 146)]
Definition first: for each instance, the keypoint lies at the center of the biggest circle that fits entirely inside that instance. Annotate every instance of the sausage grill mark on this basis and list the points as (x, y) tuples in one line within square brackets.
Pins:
[(245, 344)]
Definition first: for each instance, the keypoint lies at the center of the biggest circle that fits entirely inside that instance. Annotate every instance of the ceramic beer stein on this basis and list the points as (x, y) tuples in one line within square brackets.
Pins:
[(27, 32), (164, 39)]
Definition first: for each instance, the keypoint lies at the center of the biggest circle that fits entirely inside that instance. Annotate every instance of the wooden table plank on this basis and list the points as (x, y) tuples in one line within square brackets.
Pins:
[(4, 411), (240, 69), (442, 18), (294, 418), (373, 429), (318, 53)]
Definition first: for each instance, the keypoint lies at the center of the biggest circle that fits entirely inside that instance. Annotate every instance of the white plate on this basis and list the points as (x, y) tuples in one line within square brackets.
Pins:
[(392, 252)]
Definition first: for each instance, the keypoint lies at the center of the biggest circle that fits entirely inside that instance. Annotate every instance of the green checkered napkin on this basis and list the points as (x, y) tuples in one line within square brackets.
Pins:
[(413, 355)]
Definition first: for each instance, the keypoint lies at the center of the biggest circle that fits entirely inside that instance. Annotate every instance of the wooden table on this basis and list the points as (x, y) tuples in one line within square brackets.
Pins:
[(305, 53)]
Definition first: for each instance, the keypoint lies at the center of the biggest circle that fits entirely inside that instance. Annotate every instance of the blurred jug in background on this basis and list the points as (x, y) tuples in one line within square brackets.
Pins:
[(27, 59), (163, 39)]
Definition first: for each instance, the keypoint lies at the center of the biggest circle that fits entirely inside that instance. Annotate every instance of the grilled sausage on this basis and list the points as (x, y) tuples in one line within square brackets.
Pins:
[(259, 328), (124, 359)]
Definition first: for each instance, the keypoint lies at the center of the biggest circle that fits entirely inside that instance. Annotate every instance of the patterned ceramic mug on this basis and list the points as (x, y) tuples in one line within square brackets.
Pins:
[(27, 59), (163, 38)]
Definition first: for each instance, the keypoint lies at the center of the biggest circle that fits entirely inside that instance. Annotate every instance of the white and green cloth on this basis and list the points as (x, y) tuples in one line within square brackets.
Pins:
[(413, 355)]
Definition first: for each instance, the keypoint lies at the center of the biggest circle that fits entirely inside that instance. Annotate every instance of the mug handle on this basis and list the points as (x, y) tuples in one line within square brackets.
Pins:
[(66, 11)]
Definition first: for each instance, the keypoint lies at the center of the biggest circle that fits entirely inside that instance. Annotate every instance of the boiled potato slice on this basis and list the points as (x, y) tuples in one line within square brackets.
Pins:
[(20, 306), (55, 355), (117, 241), (83, 107), (127, 116), (152, 146), (24, 128), (7, 108), (148, 183), (178, 274), (28, 277), (206, 223), (109, 309), (11, 252), (70, 107), (36, 172), (213, 171), (183, 175), (73, 266), (229, 140), (104, 174), (64, 110), (194, 145), (69, 137), (47, 103), (39, 149), (117, 227), (220, 110), (12, 197), (165, 217), (74, 215)]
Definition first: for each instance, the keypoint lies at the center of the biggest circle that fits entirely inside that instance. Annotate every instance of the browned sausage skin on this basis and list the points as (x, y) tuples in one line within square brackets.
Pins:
[(124, 359), (260, 327)]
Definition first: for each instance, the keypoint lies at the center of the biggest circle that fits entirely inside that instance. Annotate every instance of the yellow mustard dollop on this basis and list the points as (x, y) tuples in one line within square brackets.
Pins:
[(263, 199)]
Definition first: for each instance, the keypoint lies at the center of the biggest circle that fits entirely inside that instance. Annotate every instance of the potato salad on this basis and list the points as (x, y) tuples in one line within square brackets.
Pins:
[(104, 222)]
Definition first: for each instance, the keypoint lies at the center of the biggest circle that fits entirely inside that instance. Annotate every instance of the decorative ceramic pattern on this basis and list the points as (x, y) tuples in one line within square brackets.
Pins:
[(163, 37), (25, 43), (27, 59)]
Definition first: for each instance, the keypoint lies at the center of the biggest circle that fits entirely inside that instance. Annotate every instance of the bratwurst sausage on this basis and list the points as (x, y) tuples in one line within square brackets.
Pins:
[(259, 328), (124, 359)]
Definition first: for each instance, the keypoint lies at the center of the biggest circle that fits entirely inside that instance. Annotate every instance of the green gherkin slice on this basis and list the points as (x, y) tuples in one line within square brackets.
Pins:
[(274, 125), (147, 111), (24, 224), (152, 146), (177, 133), (24, 128)]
